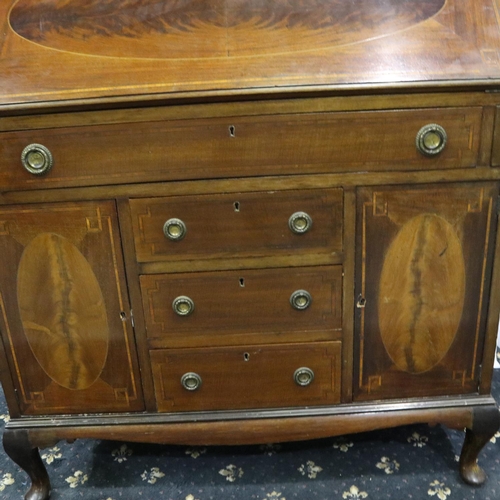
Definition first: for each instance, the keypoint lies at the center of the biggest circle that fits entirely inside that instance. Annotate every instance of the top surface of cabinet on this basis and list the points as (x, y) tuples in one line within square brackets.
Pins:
[(59, 50)]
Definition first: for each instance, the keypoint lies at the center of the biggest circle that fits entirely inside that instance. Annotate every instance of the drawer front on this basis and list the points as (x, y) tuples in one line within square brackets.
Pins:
[(243, 307), (241, 224), (241, 147), (247, 377)]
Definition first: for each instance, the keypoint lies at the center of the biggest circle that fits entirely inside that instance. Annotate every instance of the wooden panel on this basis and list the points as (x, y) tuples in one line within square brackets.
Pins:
[(424, 255), (241, 147), (253, 377), (349, 270), (68, 341), (243, 307), (134, 292), (491, 327), (187, 430), (189, 48), (495, 155), (239, 224)]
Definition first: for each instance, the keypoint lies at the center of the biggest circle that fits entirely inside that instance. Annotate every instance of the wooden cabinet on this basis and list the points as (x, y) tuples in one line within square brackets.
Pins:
[(275, 224)]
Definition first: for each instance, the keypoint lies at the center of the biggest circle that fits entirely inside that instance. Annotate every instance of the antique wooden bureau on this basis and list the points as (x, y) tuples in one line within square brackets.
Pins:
[(230, 221)]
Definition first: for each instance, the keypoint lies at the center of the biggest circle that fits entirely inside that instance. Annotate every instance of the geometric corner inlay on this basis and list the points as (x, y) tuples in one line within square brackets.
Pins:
[(94, 224), (121, 395), (380, 208), (140, 219), (37, 397), (460, 375), (374, 382), (476, 206), (490, 56), (151, 292)]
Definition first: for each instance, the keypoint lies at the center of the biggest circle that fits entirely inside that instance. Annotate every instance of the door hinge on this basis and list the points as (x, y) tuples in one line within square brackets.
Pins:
[(132, 318), (498, 205)]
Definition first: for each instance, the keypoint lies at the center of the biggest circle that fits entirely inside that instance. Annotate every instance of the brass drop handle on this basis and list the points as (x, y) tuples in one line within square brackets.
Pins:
[(183, 306), (300, 300), (191, 381), (431, 139), (37, 159), (303, 376), (300, 222), (174, 229)]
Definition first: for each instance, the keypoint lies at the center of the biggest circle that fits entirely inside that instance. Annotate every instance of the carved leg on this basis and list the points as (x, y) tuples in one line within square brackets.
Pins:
[(17, 445), (485, 422)]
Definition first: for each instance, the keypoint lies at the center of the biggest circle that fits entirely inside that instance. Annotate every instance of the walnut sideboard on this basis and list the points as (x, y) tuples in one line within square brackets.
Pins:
[(228, 221)]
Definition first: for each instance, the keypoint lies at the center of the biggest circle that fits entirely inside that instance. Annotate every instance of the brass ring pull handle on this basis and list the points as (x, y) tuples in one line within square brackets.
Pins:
[(431, 139), (37, 159), (299, 223), (300, 300), (191, 381), (303, 376), (183, 306), (174, 229)]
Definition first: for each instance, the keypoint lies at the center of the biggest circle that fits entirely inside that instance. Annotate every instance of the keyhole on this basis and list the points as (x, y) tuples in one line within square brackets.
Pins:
[(361, 303), (246, 356), (242, 282), (232, 131), (236, 205), (123, 316)]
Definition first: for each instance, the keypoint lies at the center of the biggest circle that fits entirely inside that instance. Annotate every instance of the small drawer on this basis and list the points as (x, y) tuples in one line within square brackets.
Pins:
[(243, 307), (245, 146), (247, 377), (238, 225)]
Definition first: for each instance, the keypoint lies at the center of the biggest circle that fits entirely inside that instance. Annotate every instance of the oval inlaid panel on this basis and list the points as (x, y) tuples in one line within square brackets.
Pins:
[(211, 28), (62, 310), (421, 293)]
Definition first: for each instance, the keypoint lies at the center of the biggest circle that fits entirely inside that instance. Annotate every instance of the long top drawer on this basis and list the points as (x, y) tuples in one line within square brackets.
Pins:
[(240, 147)]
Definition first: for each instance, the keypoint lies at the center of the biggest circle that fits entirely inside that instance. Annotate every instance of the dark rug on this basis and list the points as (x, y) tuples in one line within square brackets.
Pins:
[(414, 462)]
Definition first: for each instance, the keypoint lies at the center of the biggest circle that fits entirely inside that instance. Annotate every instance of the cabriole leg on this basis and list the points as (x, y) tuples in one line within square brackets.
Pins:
[(19, 448), (486, 421)]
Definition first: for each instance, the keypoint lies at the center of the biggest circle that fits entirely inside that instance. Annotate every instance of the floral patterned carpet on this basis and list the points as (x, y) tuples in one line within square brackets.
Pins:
[(414, 462)]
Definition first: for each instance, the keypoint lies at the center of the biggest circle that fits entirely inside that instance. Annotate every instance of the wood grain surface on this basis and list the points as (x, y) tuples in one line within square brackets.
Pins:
[(241, 147), (63, 311), (56, 50), (420, 311), (247, 377), (214, 28), (238, 225), (424, 254), (243, 307)]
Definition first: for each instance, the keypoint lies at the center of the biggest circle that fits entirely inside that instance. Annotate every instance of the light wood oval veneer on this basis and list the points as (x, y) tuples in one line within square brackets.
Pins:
[(63, 312), (422, 290)]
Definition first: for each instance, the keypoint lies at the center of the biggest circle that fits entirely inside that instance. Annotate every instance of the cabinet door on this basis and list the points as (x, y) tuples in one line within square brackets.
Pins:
[(64, 311), (423, 259)]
